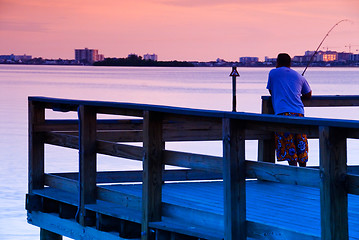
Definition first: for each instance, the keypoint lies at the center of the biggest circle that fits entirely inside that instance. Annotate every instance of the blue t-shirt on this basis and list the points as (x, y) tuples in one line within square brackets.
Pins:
[(287, 86)]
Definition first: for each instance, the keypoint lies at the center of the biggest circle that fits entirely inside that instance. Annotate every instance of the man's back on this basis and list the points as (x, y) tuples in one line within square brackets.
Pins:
[(286, 87)]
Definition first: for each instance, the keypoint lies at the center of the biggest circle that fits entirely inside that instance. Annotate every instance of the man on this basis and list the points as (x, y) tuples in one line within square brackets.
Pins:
[(288, 88)]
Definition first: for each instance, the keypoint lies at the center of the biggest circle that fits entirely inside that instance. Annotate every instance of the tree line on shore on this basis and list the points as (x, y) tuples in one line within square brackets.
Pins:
[(134, 60)]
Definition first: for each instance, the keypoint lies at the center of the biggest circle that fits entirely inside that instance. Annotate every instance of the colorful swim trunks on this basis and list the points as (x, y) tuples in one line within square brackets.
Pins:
[(291, 147)]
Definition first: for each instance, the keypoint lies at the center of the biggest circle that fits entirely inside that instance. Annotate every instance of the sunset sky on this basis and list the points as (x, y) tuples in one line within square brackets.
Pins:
[(201, 30)]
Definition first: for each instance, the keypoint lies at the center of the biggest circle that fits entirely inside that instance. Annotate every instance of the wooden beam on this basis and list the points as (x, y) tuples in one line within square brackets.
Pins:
[(62, 183), (47, 235), (120, 150), (193, 224), (173, 134), (269, 126), (334, 102), (104, 147), (122, 200), (283, 174), (68, 228), (234, 180), (257, 230), (266, 148), (194, 161), (333, 193), (118, 110), (120, 136), (62, 140), (69, 179), (36, 164), (87, 159), (102, 124), (152, 170), (353, 184), (327, 100)]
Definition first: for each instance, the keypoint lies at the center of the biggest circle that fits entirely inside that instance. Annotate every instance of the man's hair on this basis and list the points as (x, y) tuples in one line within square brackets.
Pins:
[(283, 60)]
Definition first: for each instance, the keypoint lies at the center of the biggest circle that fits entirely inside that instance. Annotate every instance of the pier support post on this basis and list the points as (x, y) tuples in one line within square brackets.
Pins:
[(47, 235), (36, 147), (234, 180), (266, 148), (87, 159), (152, 171), (333, 193)]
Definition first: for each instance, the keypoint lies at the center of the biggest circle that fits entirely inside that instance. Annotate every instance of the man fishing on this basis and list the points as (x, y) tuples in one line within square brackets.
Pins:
[(288, 88)]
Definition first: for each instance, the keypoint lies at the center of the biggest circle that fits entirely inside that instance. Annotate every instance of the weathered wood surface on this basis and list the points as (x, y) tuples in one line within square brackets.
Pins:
[(36, 148), (282, 122), (234, 180), (153, 166), (87, 159), (301, 203), (68, 227), (234, 213), (325, 101), (334, 197), (132, 176), (288, 209)]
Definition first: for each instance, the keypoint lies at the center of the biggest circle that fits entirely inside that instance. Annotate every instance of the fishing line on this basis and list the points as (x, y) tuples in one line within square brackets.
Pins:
[(316, 51)]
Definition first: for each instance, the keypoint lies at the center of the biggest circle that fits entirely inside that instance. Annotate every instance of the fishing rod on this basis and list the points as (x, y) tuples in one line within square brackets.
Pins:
[(316, 51)]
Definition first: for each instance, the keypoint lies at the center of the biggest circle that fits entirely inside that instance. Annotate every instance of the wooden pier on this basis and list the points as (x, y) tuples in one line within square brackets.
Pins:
[(207, 197)]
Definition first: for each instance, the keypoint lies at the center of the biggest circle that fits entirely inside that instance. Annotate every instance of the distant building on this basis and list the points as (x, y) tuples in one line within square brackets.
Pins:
[(309, 54), (269, 61), (354, 58), (152, 57), (300, 59), (132, 55), (15, 58), (88, 56), (329, 56), (344, 56), (320, 56), (248, 60)]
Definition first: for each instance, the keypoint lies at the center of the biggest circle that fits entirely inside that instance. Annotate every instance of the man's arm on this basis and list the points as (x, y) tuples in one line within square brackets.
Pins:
[(307, 96)]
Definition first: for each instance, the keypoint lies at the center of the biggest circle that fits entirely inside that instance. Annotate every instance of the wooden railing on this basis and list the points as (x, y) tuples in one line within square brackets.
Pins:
[(266, 147), (155, 125)]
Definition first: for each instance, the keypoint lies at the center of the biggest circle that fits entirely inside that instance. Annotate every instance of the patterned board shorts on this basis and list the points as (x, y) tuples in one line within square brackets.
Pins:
[(291, 147)]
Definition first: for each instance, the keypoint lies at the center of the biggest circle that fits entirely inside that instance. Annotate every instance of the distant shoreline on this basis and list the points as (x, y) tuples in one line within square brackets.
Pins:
[(192, 64)]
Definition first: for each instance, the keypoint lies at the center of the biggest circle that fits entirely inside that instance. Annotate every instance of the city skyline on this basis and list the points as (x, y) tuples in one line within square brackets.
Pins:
[(183, 30)]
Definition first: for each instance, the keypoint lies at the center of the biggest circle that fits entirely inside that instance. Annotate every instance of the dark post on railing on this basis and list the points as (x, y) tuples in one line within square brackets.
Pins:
[(234, 74), (87, 159), (333, 193), (36, 147), (152, 171), (234, 180), (266, 152)]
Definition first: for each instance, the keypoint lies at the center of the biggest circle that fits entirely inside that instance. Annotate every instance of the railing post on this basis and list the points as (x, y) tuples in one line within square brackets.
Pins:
[(36, 147), (152, 171), (87, 165), (333, 194), (234, 180), (266, 148)]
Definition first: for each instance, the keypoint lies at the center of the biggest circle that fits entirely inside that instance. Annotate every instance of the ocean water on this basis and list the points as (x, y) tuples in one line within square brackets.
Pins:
[(203, 88)]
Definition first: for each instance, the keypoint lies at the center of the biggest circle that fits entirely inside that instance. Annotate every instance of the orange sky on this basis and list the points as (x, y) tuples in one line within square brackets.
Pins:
[(201, 30)]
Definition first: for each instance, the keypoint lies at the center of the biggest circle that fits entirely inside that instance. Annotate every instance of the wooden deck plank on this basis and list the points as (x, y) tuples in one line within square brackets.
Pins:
[(285, 206), (276, 207), (68, 227)]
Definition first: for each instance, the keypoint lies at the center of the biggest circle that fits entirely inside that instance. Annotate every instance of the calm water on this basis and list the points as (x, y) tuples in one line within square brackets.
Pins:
[(205, 88)]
